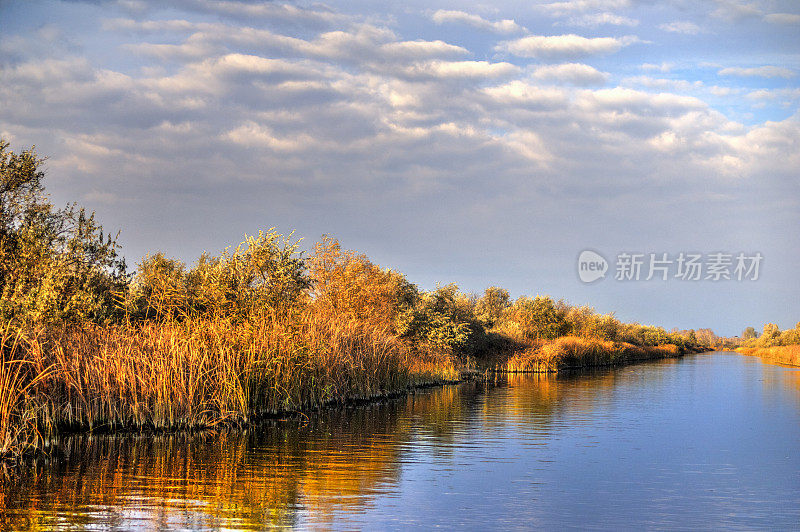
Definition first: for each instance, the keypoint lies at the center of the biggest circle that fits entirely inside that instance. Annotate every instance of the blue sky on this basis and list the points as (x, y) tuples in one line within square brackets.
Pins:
[(485, 144)]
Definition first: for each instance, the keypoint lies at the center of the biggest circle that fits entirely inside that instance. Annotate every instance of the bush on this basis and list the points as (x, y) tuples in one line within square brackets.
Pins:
[(263, 273), (348, 285), (535, 319), (445, 320)]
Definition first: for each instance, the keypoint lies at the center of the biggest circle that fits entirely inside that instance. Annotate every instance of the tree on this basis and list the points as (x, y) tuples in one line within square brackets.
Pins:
[(55, 264), (749, 333), (491, 306), (537, 318), (770, 335), (706, 337)]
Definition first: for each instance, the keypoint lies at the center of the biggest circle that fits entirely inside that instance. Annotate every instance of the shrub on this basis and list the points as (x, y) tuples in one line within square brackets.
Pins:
[(535, 319), (263, 273)]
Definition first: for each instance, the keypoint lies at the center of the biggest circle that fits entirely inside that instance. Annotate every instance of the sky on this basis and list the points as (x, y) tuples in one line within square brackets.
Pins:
[(476, 143)]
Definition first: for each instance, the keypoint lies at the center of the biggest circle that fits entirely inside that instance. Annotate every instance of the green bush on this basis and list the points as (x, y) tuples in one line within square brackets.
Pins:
[(443, 319)]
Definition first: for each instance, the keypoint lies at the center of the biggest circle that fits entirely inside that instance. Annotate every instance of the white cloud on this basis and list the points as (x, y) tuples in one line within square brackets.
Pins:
[(762, 72), (461, 69), (563, 46), (602, 19), (572, 6), (736, 9), (252, 134), (363, 43), (716, 90), (575, 73), (505, 26), (663, 67), (529, 145), (773, 94), (622, 98), (681, 26), (663, 84), (783, 18), (421, 49), (523, 94)]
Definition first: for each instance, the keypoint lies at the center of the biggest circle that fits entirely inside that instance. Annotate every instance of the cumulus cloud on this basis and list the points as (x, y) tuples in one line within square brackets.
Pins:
[(522, 94), (773, 94), (564, 46), (574, 73), (363, 43), (762, 72), (681, 26), (716, 90), (736, 9), (461, 69), (680, 85), (572, 6), (663, 67), (620, 98), (504, 26), (593, 20)]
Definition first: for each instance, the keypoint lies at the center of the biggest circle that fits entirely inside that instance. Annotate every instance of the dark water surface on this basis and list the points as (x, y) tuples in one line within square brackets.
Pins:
[(707, 441)]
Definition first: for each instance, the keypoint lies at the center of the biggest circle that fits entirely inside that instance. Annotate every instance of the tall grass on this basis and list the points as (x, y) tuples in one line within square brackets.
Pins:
[(198, 373), (18, 427)]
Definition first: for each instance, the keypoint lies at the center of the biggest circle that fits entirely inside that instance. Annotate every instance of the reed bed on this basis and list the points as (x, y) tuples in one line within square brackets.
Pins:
[(569, 352), (196, 373), (788, 355)]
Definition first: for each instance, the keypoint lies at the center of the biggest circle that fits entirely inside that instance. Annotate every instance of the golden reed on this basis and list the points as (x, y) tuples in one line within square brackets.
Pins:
[(196, 373)]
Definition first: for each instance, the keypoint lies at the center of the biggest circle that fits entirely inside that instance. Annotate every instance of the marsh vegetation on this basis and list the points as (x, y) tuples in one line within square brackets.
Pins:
[(252, 331)]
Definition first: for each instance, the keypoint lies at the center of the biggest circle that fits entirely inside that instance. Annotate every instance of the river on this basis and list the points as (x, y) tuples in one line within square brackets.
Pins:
[(705, 441)]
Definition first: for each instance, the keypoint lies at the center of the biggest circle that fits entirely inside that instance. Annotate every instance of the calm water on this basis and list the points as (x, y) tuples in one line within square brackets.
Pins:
[(708, 441)]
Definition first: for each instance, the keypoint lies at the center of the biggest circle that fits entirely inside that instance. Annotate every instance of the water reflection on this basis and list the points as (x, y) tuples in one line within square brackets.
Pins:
[(453, 455)]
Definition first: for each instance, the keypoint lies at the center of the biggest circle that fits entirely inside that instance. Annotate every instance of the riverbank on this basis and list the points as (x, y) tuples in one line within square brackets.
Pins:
[(784, 354)]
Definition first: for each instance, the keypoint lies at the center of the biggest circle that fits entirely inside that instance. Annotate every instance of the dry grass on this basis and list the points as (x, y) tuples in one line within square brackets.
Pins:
[(785, 354), (18, 428), (576, 352), (196, 373)]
